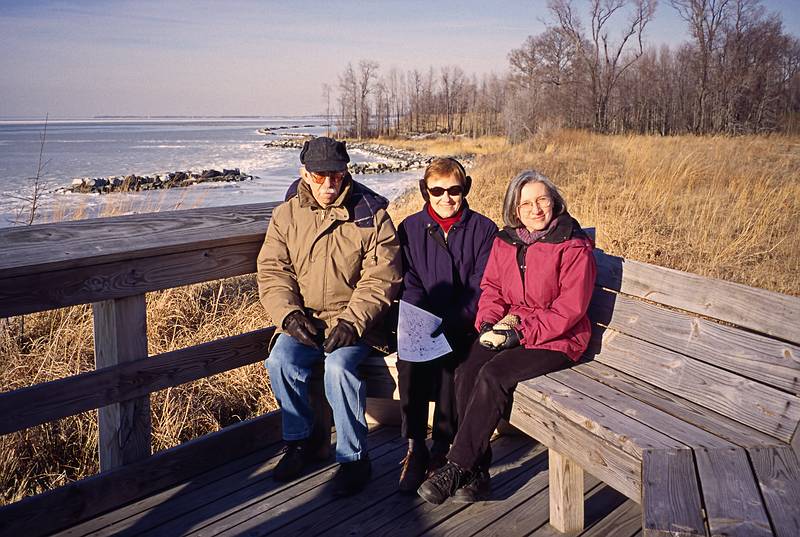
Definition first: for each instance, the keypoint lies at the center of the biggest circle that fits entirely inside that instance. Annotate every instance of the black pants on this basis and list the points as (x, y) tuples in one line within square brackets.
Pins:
[(484, 383), (421, 382)]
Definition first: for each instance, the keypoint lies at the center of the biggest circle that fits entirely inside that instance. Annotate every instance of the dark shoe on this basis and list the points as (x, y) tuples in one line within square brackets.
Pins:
[(351, 477), (437, 461), (444, 483), (477, 490), (296, 457), (415, 467)]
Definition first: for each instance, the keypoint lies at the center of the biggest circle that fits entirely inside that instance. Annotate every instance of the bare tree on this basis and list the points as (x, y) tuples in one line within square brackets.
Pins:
[(326, 94), (705, 17), (367, 74), (605, 59), (348, 101)]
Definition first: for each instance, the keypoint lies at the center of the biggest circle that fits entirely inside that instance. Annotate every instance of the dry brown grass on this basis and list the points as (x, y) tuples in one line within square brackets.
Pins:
[(443, 145), (58, 343), (722, 207)]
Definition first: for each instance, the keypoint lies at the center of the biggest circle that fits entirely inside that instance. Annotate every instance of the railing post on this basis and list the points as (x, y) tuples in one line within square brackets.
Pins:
[(120, 335)]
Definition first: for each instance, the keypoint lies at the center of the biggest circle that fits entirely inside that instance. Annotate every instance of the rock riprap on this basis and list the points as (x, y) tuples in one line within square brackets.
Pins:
[(400, 160), (138, 183)]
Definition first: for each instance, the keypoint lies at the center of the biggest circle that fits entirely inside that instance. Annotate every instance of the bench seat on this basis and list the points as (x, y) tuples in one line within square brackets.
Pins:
[(693, 416)]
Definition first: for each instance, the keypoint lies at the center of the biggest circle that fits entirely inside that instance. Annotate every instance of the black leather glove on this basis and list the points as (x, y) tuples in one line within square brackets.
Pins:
[(343, 335), (486, 326), (301, 328), (512, 339), (499, 339)]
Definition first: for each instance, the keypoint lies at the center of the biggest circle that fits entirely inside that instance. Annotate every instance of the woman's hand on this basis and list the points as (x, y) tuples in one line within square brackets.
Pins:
[(502, 335)]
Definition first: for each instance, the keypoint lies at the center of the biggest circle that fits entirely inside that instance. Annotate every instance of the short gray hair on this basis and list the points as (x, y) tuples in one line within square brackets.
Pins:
[(514, 191)]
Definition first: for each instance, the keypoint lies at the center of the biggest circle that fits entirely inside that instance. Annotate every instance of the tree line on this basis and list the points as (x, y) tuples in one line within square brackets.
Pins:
[(738, 73)]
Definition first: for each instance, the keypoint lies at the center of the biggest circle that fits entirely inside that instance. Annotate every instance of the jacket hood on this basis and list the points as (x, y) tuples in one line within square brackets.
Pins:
[(566, 228), (361, 202)]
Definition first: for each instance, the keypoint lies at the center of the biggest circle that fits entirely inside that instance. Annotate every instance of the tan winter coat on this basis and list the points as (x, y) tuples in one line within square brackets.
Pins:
[(339, 262)]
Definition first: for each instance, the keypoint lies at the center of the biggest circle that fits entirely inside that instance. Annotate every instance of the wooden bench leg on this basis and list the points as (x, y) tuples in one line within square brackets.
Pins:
[(566, 493)]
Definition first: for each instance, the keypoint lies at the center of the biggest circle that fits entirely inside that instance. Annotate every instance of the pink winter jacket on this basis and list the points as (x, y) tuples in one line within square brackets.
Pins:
[(547, 284)]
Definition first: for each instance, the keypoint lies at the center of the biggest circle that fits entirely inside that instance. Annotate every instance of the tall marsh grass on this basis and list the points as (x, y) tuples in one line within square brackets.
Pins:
[(721, 207)]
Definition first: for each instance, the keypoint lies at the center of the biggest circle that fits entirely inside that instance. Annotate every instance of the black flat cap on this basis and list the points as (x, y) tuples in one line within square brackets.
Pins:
[(324, 154)]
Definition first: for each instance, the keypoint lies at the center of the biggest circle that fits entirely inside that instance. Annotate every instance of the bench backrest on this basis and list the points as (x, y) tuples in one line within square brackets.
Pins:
[(727, 347)]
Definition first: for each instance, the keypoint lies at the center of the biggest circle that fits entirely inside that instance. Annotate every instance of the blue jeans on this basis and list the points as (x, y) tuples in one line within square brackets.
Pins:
[(290, 364)]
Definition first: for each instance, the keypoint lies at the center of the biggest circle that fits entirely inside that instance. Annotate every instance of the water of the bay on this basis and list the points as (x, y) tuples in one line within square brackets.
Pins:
[(107, 147)]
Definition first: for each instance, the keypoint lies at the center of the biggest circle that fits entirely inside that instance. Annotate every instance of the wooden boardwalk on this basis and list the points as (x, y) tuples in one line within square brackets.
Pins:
[(240, 498)]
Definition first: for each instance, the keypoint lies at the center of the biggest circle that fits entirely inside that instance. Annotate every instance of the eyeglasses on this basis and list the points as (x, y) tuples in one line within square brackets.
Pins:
[(542, 202), (319, 178), (455, 190)]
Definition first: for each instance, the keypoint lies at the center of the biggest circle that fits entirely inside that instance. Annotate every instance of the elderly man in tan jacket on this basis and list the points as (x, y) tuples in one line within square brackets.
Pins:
[(327, 272)]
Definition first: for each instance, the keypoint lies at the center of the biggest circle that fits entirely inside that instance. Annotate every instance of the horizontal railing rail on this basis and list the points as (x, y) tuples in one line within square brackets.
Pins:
[(50, 266)]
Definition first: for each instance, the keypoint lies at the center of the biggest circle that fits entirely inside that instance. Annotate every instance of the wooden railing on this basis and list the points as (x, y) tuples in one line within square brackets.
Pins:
[(111, 263)]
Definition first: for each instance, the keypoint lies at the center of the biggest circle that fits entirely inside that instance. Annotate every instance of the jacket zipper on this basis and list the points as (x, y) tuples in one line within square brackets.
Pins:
[(522, 250)]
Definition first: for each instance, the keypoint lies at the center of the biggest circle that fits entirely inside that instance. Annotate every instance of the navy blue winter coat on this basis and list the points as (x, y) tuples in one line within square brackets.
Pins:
[(443, 276)]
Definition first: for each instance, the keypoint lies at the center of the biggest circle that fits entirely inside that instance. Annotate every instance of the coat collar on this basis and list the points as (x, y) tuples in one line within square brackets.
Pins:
[(566, 228), (429, 221), (355, 201)]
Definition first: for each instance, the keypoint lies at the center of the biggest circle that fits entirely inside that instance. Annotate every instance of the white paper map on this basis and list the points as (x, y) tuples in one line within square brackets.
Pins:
[(414, 329)]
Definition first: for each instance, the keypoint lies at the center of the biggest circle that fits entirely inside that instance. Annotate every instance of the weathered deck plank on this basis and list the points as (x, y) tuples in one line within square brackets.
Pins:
[(230, 495), (776, 414), (90, 497), (778, 474), (387, 486), (753, 355), (617, 468), (671, 495), (403, 514), (757, 309), (677, 406), (528, 488), (82, 243), (730, 495), (602, 420), (247, 501), (208, 484), (664, 422)]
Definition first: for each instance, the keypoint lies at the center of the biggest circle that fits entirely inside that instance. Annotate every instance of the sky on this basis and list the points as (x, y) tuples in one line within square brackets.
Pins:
[(267, 57)]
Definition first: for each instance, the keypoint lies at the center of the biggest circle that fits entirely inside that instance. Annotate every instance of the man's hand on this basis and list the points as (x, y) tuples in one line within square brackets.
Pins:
[(301, 328), (343, 335)]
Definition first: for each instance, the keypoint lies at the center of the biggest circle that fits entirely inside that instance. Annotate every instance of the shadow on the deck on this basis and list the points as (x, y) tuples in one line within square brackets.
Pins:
[(240, 498)]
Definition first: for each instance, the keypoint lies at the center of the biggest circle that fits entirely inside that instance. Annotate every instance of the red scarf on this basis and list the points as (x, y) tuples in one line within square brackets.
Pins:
[(445, 223)]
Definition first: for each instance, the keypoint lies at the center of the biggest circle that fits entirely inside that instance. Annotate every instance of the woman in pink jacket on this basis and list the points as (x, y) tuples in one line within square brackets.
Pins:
[(532, 321)]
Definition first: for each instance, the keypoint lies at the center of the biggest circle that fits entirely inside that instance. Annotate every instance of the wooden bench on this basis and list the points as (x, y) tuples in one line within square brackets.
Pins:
[(687, 403)]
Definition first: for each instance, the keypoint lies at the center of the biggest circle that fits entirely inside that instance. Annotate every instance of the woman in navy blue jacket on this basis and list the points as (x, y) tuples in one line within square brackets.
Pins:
[(445, 248)]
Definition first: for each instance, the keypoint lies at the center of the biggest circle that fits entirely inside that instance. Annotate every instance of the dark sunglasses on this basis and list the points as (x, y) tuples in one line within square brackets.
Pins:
[(455, 190)]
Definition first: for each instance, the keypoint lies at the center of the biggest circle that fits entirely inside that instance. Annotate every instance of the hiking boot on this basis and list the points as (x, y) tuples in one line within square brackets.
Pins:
[(437, 461), (444, 483), (415, 467), (351, 477), (477, 490), (296, 457)]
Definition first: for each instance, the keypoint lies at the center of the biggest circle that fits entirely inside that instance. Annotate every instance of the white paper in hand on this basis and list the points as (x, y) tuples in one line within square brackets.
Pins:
[(414, 340)]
